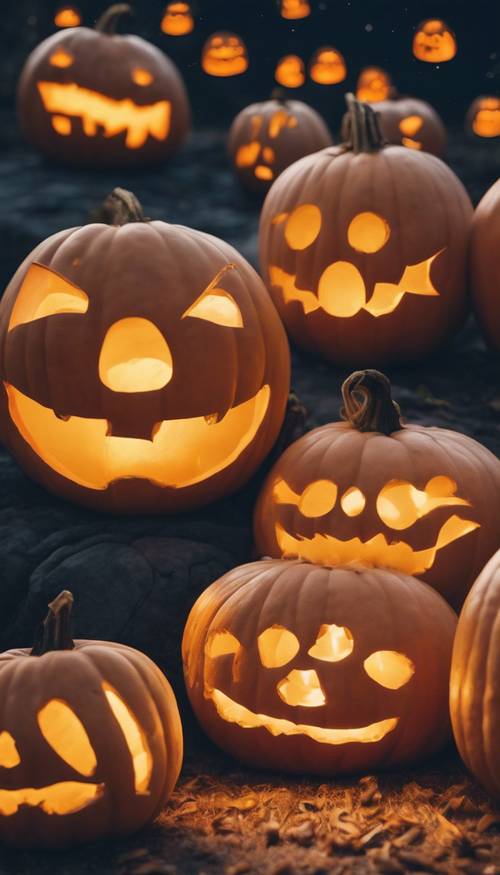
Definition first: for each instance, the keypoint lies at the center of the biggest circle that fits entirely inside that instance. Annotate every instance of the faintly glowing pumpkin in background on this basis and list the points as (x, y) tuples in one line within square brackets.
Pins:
[(373, 491), (357, 275), (177, 20), (67, 16), (90, 738), (290, 71), (266, 137), (300, 668), (327, 66), (374, 84), (224, 54), (95, 97), (484, 264), (434, 42), (158, 369), (294, 9), (483, 117), (407, 121)]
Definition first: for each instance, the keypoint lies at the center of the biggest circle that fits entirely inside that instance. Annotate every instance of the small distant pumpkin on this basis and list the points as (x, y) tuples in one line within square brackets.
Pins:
[(483, 117), (267, 137), (407, 121), (484, 258)]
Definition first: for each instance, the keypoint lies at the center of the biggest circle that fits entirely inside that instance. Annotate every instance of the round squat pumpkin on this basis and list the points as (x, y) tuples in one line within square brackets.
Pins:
[(374, 491), (484, 256), (363, 247), (475, 679), (266, 137), (483, 117), (407, 121), (320, 670), (90, 738), (94, 97), (145, 368)]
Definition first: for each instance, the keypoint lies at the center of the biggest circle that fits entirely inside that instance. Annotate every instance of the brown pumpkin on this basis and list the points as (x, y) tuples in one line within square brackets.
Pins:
[(320, 670), (363, 247), (158, 369), (94, 97), (374, 491), (484, 257), (267, 137), (407, 121), (90, 738), (475, 679)]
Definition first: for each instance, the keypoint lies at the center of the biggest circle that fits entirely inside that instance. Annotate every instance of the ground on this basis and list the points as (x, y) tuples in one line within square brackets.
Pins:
[(135, 579)]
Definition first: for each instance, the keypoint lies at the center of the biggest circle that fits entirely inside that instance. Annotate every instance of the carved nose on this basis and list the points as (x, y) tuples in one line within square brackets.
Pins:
[(135, 357), (301, 688)]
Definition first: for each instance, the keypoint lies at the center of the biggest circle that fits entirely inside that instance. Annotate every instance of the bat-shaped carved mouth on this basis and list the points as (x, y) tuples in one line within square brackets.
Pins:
[(66, 797)]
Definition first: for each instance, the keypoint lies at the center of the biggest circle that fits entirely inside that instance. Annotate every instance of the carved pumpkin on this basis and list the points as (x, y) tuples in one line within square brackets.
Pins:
[(294, 10), (90, 738), (327, 66), (224, 54), (434, 42), (373, 491), (484, 256), (407, 121), (93, 97), (266, 137), (158, 369), (483, 117), (67, 16), (374, 84), (475, 679), (355, 272), (290, 71), (325, 670), (177, 20)]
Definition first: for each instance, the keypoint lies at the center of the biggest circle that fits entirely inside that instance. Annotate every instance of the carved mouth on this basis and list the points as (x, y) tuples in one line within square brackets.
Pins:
[(97, 111), (182, 452), (376, 552), (66, 797), (232, 712)]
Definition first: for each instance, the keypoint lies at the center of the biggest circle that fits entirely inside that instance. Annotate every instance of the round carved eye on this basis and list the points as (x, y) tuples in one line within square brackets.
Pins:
[(303, 226), (221, 644), (368, 232), (141, 76), (318, 498), (333, 643), (277, 646), (390, 669), (353, 501)]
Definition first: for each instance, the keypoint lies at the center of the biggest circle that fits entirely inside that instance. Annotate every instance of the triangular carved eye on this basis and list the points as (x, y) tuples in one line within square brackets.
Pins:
[(9, 756), (216, 305), (44, 292), (221, 644)]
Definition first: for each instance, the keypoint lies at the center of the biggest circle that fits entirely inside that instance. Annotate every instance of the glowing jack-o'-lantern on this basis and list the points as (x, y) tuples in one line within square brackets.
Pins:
[(413, 123), (266, 137), (290, 71), (224, 54), (178, 19), (309, 669), (375, 492), (374, 84), (434, 42), (91, 746), (483, 117), (355, 273), (95, 97), (484, 260), (294, 10), (327, 66), (158, 367), (67, 16)]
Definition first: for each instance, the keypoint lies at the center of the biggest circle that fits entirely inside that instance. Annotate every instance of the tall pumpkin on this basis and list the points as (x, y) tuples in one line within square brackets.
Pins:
[(485, 264), (363, 247), (144, 367), (374, 491)]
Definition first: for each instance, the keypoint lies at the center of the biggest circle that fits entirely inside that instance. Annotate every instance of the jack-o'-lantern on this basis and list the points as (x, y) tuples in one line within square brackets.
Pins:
[(67, 16), (95, 97), (327, 66), (158, 369), (357, 276), (484, 260), (266, 137), (90, 738), (224, 54), (373, 491), (475, 679), (434, 42), (483, 117), (290, 71), (177, 20), (294, 10), (320, 670), (374, 84), (407, 121)]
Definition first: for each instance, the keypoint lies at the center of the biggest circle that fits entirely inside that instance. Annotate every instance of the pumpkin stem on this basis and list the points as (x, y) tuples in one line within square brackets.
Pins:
[(279, 95), (368, 404), (120, 208), (55, 631), (360, 129), (109, 19)]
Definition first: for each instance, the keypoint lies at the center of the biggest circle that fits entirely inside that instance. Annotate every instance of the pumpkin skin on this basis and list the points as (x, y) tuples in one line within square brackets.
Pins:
[(357, 275), (375, 611), (183, 440), (484, 257), (94, 681), (104, 99), (407, 121), (267, 137), (475, 679), (330, 497)]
